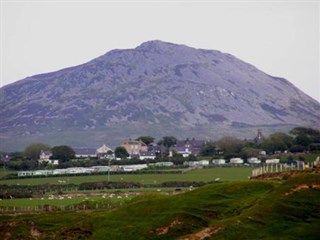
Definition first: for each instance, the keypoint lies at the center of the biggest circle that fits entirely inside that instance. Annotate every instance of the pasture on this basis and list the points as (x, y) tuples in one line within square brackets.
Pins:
[(231, 210), (64, 201), (205, 175)]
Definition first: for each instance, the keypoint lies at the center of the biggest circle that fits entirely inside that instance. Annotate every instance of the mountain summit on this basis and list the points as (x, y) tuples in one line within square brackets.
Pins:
[(155, 89)]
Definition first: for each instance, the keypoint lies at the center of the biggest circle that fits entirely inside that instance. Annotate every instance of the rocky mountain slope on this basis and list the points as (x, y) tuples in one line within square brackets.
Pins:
[(155, 89)]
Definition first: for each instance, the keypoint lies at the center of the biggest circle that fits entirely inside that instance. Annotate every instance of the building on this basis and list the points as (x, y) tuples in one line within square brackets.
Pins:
[(85, 152), (254, 160), (134, 147), (45, 156), (204, 162), (135, 167), (218, 161), (105, 152), (147, 155), (163, 164), (259, 138), (273, 161), (188, 147), (236, 161), (196, 163)]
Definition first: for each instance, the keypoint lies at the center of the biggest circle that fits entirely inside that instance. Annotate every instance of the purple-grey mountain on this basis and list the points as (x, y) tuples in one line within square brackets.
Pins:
[(155, 89)]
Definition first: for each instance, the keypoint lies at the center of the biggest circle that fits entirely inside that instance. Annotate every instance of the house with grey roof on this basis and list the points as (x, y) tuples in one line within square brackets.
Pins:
[(188, 147), (85, 152)]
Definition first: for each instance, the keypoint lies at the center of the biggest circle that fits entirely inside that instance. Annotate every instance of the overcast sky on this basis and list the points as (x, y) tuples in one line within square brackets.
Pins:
[(279, 38)]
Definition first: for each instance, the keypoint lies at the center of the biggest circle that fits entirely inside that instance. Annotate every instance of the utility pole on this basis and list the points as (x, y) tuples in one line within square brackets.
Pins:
[(109, 170)]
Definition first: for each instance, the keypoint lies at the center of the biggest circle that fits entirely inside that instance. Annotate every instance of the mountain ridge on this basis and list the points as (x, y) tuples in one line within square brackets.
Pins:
[(156, 88)]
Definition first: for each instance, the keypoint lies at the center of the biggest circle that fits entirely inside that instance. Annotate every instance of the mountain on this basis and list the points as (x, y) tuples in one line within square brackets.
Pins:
[(156, 89)]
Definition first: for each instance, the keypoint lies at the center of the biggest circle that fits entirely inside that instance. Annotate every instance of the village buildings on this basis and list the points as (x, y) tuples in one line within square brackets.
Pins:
[(188, 147), (134, 147)]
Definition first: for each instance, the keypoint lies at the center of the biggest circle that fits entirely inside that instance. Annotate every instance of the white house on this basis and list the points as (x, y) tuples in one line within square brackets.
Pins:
[(135, 167), (236, 160), (85, 152), (147, 155), (272, 161), (105, 152), (100, 168), (204, 162), (187, 147), (254, 160), (196, 163), (164, 164), (45, 158), (218, 161), (45, 155)]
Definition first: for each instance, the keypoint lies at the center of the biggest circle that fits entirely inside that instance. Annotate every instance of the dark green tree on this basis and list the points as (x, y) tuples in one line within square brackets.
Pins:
[(277, 142), (168, 141), (33, 150), (248, 152), (192, 157), (146, 139), (64, 153), (303, 131), (230, 145), (303, 140), (208, 149), (121, 152)]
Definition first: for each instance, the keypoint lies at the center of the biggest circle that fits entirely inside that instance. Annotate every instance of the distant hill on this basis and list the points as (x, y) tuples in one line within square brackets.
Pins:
[(156, 89), (238, 210)]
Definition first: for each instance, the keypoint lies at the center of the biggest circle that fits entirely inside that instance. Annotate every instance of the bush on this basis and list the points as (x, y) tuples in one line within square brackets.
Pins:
[(297, 149)]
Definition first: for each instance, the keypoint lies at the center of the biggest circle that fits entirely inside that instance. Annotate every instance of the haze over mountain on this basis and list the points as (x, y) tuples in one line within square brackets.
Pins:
[(155, 89)]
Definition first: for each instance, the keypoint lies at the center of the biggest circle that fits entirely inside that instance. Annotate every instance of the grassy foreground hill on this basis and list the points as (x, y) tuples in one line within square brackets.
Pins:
[(278, 209)]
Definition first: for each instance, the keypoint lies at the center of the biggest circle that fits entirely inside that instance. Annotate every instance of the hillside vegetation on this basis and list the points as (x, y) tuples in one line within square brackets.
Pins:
[(286, 209)]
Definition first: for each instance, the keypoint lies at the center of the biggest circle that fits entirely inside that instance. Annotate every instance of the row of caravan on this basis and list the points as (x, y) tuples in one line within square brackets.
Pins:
[(252, 160), (232, 161)]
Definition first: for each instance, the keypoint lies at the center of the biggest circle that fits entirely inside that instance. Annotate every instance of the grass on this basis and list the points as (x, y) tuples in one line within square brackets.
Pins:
[(238, 210), (206, 175), (22, 202), (310, 157), (5, 172)]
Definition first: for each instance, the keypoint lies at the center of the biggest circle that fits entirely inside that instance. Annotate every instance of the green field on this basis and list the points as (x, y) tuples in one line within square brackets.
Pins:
[(58, 202), (310, 157), (206, 175), (287, 209), (5, 172)]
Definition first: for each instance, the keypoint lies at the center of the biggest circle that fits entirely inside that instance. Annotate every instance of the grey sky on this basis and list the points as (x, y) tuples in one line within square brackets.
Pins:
[(280, 38)]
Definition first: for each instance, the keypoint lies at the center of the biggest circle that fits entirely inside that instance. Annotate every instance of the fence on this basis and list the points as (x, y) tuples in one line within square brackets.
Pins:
[(280, 167)]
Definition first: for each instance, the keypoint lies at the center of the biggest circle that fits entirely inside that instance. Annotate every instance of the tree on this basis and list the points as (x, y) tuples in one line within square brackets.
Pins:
[(305, 131), (146, 139), (306, 135), (208, 149), (121, 152), (277, 142), (303, 140), (176, 158), (63, 153), (248, 152), (168, 141), (230, 144), (33, 150)]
